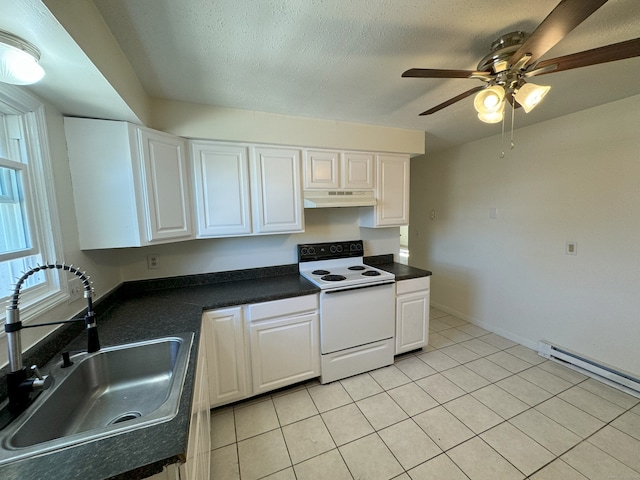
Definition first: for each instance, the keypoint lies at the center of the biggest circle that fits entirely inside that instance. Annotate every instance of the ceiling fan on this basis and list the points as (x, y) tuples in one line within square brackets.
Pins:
[(514, 59)]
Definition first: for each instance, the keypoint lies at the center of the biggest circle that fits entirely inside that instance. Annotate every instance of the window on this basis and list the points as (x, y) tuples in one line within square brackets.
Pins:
[(27, 204)]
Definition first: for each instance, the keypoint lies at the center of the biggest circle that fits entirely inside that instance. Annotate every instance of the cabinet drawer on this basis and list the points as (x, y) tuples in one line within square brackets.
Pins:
[(281, 308), (412, 285)]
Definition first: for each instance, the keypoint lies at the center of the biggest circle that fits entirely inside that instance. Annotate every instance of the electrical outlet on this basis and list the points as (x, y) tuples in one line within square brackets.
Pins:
[(493, 213), (75, 289), (153, 262), (571, 248)]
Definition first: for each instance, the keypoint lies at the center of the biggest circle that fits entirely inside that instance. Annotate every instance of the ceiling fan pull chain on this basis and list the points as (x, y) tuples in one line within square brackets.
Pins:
[(502, 140), (513, 115)]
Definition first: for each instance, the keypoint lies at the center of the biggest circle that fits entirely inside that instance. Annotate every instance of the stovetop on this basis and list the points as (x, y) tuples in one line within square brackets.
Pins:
[(338, 264)]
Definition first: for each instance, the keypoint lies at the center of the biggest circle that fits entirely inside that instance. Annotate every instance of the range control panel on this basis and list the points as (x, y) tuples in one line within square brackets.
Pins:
[(309, 252)]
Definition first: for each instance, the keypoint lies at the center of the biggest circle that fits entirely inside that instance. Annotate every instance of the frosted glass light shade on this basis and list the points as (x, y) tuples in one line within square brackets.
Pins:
[(489, 100), (529, 95), (18, 61), (493, 117)]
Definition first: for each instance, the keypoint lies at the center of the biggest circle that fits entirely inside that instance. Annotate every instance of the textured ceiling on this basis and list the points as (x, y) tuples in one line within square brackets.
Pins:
[(340, 59)]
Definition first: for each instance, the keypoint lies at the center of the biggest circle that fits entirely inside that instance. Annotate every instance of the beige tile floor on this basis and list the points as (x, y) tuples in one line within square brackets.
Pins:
[(472, 405)]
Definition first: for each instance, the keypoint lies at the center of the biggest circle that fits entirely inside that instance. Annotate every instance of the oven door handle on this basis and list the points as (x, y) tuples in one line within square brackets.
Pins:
[(359, 287)]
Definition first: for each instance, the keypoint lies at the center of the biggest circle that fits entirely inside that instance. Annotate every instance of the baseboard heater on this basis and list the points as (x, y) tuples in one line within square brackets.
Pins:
[(554, 352)]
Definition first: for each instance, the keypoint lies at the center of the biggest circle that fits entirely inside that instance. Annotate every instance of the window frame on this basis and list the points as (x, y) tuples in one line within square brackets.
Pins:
[(42, 211), (23, 173)]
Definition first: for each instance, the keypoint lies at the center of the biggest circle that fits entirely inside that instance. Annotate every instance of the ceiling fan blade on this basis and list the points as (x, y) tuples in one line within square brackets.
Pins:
[(453, 100), (435, 73), (567, 15), (608, 53)]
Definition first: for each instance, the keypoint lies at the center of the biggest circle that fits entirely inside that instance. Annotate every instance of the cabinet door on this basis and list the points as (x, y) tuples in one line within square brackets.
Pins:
[(284, 351), (197, 464), (392, 193), (277, 199), (358, 170), (412, 321), (221, 174), (165, 176), (321, 169), (225, 355), (393, 190)]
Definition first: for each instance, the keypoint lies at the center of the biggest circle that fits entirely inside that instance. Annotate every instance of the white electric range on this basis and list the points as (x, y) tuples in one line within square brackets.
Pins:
[(357, 308)]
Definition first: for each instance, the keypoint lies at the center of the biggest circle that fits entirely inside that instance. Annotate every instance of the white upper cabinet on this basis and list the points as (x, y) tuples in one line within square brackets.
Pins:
[(332, 170), (223, 199), (166, 185), (130, 184), (277, 190), (322, 169), (246, 190), (358, 170), (392, 193)]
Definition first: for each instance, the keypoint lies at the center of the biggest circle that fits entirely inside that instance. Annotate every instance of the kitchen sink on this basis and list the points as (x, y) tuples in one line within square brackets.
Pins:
[(111, 391)]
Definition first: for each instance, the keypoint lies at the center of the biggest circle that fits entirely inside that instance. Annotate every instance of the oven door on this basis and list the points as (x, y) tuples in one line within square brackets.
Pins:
[(355, 316)]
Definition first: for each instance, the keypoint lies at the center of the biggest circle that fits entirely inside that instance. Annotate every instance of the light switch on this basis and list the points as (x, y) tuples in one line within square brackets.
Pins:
[(493, 213)]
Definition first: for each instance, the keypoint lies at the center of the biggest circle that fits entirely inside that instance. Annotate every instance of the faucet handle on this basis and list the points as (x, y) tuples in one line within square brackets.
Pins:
[(42, 382), (36, 371)]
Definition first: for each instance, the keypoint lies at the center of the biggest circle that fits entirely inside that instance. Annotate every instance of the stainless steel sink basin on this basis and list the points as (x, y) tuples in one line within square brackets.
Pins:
[(111, 391)]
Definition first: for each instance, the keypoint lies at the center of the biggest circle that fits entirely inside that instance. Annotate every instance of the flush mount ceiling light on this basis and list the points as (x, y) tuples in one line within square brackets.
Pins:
[(18, 61)]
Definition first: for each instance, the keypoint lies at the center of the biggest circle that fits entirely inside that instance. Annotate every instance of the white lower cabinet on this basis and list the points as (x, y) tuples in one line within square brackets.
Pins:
[(224, 333), (412, 314), (260, 347), (284, 342), (197, 465)]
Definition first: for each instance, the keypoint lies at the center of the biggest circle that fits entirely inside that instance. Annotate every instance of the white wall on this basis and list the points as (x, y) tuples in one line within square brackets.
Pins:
[(223, 254), (575, 178), (219, 123)]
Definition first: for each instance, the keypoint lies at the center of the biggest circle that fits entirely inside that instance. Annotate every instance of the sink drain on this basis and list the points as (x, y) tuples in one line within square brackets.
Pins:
[(125, 417)]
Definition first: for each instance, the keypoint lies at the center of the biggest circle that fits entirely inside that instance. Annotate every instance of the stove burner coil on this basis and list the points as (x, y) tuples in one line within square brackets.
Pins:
[(357, 267), (371, 273), (320, 272), (334, 278)]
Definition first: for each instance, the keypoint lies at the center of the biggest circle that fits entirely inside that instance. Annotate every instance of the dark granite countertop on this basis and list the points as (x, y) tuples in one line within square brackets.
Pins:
[(149, 309), (139, 311), (400, 270)]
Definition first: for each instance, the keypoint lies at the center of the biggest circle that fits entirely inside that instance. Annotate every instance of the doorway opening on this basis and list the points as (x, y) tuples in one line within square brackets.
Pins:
[(404, 245)]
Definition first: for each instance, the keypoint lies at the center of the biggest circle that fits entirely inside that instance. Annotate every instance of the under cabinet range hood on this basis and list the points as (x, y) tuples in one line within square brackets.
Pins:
[(338, 198)]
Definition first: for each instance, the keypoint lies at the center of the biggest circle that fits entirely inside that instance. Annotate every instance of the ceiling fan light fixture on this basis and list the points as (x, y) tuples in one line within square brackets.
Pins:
[(489, 100), (529, 95), (493, 117), (18, 61)]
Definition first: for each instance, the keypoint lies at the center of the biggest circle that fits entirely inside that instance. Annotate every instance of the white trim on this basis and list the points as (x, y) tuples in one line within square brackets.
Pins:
[(44, 219)]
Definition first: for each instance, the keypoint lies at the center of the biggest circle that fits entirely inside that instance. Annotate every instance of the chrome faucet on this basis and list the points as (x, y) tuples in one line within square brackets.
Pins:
[(19, 383)]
